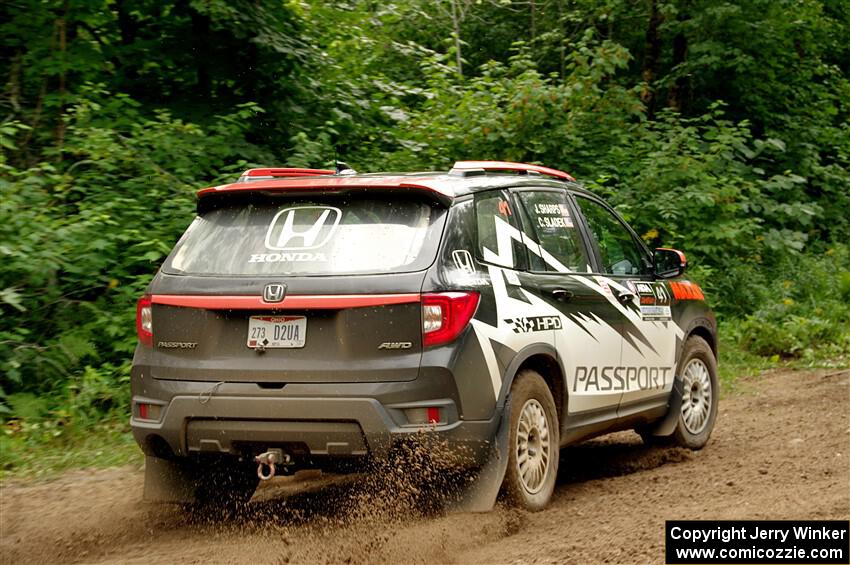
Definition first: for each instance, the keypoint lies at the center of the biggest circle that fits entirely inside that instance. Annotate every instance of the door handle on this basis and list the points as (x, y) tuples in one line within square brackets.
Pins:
[(626, 296), (562, 294)]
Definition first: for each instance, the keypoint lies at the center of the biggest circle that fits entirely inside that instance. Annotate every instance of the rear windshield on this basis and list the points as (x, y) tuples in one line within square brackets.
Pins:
[(321, 236)]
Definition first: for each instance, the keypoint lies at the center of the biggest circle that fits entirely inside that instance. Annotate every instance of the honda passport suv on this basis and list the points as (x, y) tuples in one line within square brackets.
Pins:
[(316, 319)]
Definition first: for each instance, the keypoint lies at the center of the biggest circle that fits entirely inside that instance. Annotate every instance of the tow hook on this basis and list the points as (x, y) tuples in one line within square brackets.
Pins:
[(270, 460)]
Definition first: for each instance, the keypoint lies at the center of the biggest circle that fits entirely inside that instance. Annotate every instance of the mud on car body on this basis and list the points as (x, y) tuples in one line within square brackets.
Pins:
[(313, 318)]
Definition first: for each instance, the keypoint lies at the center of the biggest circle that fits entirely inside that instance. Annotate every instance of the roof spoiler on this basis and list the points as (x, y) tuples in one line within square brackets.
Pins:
[(271, 173), (324, 184), (252, 175), (473, 168)]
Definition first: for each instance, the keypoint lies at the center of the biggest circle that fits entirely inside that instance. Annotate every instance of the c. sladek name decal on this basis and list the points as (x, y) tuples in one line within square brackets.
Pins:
[(620, 378)]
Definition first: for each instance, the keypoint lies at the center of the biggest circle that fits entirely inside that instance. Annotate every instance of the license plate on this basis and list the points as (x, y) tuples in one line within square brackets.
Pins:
[(277, 332)]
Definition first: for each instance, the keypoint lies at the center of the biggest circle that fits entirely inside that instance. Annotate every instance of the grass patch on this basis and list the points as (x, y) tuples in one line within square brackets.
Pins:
[(45, 448), (736, 364)]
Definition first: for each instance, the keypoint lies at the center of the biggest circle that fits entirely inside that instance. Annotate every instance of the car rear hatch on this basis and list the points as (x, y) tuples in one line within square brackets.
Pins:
[(278, 288)]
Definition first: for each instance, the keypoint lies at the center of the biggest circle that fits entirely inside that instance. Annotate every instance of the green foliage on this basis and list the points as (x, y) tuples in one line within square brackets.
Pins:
[(675, 172), (804, 308), (82, 238)]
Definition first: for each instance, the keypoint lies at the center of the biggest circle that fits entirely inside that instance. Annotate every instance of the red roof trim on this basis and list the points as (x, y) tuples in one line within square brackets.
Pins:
[(292, 302), (286, 172), (331, 184), (511, 166)]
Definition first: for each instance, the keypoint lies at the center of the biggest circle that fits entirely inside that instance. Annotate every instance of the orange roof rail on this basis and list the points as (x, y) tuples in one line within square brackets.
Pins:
[(461, 166)]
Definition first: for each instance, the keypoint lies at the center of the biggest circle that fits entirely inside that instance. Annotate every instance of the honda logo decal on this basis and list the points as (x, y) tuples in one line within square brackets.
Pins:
[(302, 227), (274, 292)]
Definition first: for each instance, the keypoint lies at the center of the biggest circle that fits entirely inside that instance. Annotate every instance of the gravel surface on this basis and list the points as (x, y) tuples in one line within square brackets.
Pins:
[(781, 450)]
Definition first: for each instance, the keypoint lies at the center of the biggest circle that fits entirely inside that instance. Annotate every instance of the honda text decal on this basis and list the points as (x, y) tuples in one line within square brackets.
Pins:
[(295, 232)]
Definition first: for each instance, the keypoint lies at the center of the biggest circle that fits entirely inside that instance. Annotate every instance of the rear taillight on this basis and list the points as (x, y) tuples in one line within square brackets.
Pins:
[(445, 315), (144, 320)]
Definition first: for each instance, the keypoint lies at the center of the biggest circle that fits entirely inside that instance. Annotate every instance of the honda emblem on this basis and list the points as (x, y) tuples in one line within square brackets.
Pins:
[(274, 292)]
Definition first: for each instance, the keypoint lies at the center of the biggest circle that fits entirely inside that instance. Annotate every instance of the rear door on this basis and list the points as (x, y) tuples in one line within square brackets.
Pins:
[(588, 338), (276, 289)]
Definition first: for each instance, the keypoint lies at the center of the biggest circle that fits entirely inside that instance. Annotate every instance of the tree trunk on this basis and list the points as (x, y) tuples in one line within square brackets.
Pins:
[(127, 26), (456, 17), (14, 84), (62, 29), (651, 57), (533, 20), (680, 88), (200, 42)]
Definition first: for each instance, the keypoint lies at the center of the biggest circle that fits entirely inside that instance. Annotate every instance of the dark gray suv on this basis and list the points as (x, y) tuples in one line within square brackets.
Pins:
[(312, 318)]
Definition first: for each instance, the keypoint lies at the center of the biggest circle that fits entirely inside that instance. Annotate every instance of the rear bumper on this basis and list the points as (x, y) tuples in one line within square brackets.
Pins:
[(314, 423)]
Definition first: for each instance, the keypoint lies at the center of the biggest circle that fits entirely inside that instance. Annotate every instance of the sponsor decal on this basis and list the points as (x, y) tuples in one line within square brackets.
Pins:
[(598, 379), (177, 344), (396, 345), (534, 324), (655, 312), (322, 222), (653, 301), (686, 290), (644, 289)]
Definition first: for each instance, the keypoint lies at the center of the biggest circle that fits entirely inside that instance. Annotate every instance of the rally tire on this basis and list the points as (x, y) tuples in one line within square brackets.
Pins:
[(534, 443), (700, 394)]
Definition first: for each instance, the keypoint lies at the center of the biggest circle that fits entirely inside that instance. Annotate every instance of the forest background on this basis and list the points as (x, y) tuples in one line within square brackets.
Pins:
[(717, 127)]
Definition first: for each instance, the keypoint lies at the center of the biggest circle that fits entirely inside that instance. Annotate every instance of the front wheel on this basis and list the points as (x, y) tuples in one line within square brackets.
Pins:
[(534, 443), (698, 371)]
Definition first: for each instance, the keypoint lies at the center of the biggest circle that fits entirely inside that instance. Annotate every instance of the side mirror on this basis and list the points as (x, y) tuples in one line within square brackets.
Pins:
[(668, 263)]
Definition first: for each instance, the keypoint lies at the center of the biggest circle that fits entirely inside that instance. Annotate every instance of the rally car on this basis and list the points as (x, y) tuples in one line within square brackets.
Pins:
[(318, 318)]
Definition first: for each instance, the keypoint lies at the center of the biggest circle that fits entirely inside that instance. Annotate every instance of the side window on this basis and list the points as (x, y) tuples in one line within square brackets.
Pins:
[(618, 250), (552, 223), (494, 213)]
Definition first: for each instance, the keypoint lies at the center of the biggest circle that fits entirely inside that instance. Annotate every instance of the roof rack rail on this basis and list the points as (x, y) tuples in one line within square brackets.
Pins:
[(473, 168), (281, 172)]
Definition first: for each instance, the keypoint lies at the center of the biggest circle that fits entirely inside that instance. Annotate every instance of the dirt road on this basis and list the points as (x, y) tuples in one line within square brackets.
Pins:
[(781, 450)]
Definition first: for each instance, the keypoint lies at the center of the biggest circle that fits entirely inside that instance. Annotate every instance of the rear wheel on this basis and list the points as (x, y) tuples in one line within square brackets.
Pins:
[(534, 440)]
